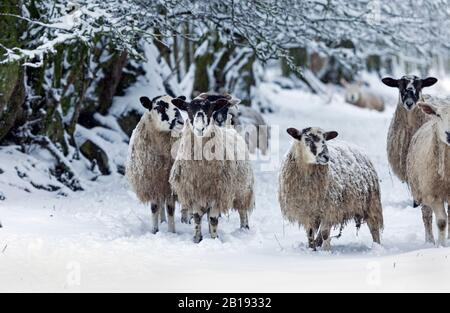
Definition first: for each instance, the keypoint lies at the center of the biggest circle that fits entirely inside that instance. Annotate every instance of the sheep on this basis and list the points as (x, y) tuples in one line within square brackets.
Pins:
[(359, 96), (406, 121), (325, 186), (428, 165), (211, 173), (150, 158)]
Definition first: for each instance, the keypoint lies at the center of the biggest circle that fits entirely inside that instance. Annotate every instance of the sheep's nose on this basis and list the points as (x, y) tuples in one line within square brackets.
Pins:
[(409, 103), (448, 136)]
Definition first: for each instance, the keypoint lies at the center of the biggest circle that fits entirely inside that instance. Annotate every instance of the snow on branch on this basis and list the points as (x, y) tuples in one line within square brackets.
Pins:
[(346, 29)]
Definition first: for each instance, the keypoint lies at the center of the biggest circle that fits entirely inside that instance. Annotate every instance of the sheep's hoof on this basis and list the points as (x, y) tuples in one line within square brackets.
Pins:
[(198, 239), (245, 227), (172, 230), (326, 246), (155, 231)]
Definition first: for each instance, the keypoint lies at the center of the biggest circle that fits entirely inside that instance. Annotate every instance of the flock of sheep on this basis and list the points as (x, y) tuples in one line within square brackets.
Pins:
[(203, 164)]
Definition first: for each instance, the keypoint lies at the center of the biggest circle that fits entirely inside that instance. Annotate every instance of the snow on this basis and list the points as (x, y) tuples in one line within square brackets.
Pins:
[(100, 240)]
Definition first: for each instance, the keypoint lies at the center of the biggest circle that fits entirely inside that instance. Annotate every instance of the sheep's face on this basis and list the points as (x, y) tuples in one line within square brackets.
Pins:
[(410, 88), (221, 117), (353, 93), (201, 111), (442, 116), (314, 141), (165, 115)]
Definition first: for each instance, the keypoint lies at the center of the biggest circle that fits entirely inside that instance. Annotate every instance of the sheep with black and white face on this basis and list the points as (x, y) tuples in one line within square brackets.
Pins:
[(324, 185), (408, 118), (150, 157), (212, 173)]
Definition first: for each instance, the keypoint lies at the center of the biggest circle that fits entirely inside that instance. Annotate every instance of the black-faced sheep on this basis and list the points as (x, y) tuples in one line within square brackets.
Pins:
[(211, 173), (407, 119), (359, 96), (249, 123), (324, 186), (150, 157), (428, 166)]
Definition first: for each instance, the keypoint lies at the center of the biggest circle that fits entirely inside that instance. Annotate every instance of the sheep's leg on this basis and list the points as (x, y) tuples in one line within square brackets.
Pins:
[(374, 228), (162, 214), (155, 217), (311, 239), (213, 222), (171, 216), (441, 219), (208, 214), (325, 237), (448, 224), (243, 215), (311, 233), (198, 215), (186, 216), (427, 217)]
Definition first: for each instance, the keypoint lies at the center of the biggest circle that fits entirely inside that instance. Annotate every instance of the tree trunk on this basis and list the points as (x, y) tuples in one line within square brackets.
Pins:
[(12, 88)]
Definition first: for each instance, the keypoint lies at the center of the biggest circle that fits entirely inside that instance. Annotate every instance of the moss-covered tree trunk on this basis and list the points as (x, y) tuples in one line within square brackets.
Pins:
[(224, 69), (12, 89)]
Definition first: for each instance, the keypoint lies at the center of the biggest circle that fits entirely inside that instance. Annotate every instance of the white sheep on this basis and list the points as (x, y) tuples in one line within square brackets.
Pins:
[(211, 173), (150, 157), (361, 97), (407, 119), (324, 186), (428, 166)]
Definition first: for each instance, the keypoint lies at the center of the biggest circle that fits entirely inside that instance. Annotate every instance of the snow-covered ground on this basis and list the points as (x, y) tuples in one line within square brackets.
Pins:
[(99, 239)]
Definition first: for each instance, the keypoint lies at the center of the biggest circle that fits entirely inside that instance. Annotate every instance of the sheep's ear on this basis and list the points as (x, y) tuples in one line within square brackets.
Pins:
[(220, 104), (428, 82), (203, 96), (235, 101), (146, 103), (180, 103), (295, 133), (330, 135), (394, 83), (427, 109)]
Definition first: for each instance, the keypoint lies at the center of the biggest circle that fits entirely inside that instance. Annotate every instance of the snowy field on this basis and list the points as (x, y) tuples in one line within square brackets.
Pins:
[(100, 240)]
